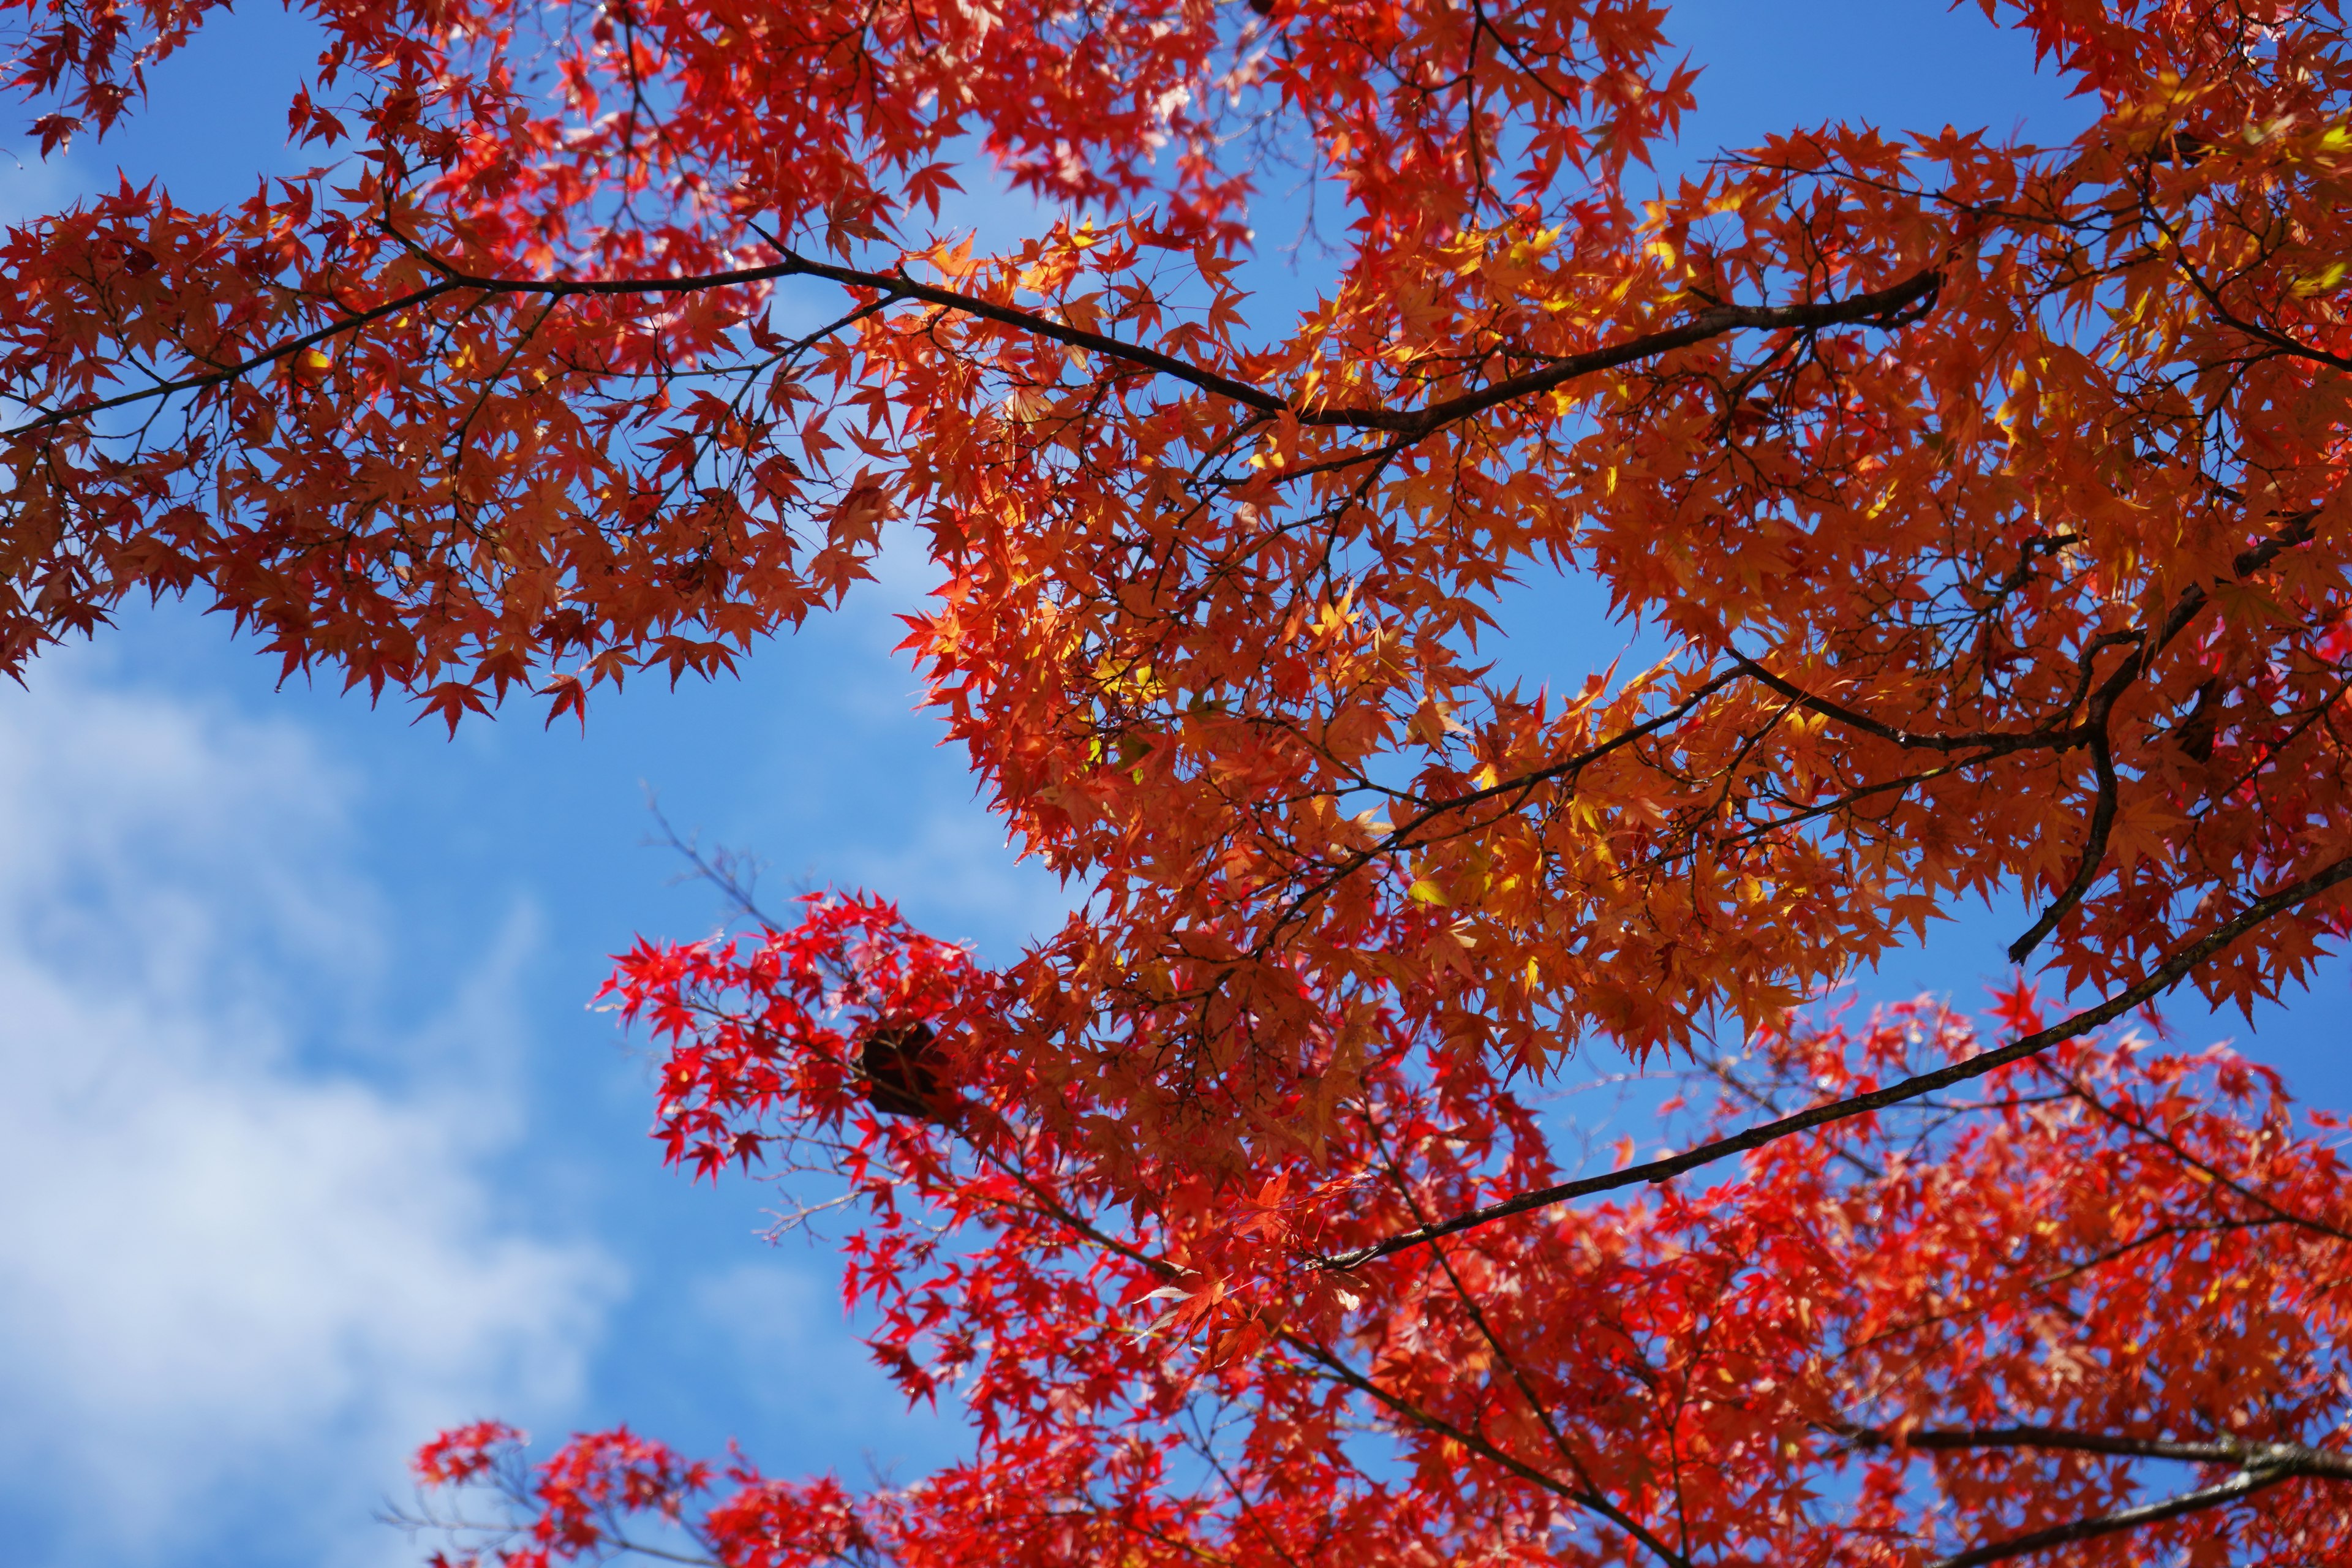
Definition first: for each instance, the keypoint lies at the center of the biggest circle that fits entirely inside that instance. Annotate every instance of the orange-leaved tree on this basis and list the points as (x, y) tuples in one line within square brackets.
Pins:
[(1985, 496)]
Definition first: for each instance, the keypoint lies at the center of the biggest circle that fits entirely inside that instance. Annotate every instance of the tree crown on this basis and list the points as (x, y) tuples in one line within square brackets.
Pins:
[(1987, 496)]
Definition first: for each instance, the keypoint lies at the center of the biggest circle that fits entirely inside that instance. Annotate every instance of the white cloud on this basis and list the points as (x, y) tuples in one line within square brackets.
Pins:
[(248, 1257)]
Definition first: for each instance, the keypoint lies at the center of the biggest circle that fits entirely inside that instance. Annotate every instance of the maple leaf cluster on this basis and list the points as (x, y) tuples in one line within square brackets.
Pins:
[(1966, 1329), (1985, 493), (1987, 500)]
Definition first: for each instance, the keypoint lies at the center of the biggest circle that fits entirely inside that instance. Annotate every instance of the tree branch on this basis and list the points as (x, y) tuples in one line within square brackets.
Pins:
[(1521, 784), (1991, 742), (243, 367), (2095, 847), (2296, 1459), (2244, 1484), (1405, 1409), (1888, 307), (2161, 979), (1897, 306)]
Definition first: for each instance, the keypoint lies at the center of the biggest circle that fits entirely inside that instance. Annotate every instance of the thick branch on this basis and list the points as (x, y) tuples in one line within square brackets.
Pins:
[(1886, 307), (2166, 976), (1991, 742), (2297, 529), (243, 367), (1584, 1495), (2244, 1484), (2094, 848), (2295, 1458)]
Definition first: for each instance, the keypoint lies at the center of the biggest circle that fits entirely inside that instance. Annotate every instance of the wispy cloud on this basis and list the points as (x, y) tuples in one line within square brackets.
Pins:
[(250, 1255)]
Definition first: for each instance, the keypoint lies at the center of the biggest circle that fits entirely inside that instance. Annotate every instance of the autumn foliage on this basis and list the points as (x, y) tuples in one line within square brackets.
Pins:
[(1983, 501), (1961, 1330)]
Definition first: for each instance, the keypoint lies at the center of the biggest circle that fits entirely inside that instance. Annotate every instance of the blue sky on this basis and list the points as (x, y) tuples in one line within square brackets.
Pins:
[(312, 1143)]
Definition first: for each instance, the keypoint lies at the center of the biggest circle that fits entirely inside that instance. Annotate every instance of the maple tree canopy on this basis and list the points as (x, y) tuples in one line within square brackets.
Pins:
[(1987, 499)]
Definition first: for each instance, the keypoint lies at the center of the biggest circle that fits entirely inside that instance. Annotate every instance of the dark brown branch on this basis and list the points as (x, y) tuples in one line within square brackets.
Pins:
[(2295, 531), (2094, 849), (1890, 307), (1886, 307), (1990, 743), (1519, 1378), (2282, 342), (241, 368), (1585, 1496), (2295, 1458), (2166, 976), (1039, 325), (2244, 1484)]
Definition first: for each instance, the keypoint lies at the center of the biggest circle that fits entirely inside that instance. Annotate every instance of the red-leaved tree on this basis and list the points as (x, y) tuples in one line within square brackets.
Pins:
[(1987, 499), (2077, 1306)]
